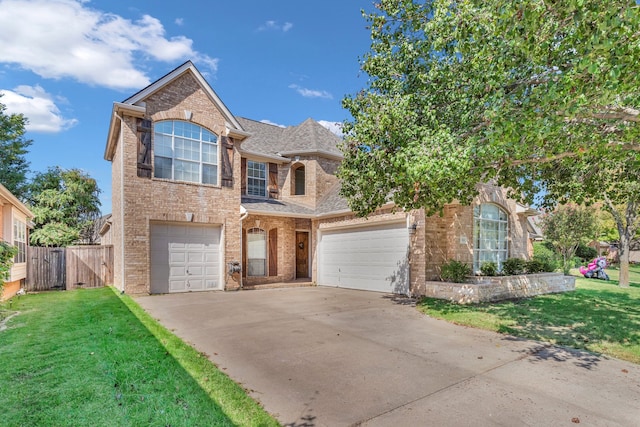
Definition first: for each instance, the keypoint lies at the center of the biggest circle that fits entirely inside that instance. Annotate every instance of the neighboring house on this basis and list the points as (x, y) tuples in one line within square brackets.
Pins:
[(15, 219), (103, 228), (203, 200)]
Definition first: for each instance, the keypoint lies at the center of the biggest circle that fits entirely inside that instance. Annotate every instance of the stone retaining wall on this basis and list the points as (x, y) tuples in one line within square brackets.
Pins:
[(485, 289)]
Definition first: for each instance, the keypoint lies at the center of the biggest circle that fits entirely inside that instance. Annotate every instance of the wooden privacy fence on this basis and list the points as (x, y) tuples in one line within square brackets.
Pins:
[(69, 268)]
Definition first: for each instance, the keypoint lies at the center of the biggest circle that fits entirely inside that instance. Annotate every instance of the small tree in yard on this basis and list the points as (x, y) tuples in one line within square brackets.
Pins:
[(566, 228), (65, 204)]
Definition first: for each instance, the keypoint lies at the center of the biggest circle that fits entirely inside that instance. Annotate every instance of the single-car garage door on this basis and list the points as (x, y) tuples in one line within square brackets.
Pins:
[(185, 258), (372, 258)]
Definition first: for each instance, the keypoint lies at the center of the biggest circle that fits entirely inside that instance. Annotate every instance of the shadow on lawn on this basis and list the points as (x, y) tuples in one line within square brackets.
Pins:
[(583, 319)]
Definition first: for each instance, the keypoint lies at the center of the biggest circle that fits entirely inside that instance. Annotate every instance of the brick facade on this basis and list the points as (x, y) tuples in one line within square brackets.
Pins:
[(138, 201)]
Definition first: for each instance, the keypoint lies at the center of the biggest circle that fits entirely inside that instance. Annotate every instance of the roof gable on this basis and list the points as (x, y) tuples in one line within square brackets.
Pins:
[(187, 67), (309, 137)]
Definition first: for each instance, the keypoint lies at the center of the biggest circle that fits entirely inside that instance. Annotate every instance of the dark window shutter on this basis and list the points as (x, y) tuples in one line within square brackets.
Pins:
[(273, 181), (243, 175), (244, 253), (144, 147), (273, 252), (226, 150)]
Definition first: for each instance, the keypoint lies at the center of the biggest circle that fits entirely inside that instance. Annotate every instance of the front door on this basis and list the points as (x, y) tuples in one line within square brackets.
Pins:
[(302, 254)]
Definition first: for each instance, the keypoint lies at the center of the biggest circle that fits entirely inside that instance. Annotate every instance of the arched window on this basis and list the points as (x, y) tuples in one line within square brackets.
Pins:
[(256, 252), (490, 232), (185, 152), (299, 181)]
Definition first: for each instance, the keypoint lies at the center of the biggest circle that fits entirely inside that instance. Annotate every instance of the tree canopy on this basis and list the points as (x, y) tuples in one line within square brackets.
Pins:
[(13, 148), (462, 92), (540, 97), (65, 204)]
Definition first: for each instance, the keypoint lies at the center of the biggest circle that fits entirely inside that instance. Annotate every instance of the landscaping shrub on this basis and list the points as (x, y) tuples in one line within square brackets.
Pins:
[(543, 251), (455, 271), (489, 269), (586, 253), (513, 266), (534, 266), (7, 252)]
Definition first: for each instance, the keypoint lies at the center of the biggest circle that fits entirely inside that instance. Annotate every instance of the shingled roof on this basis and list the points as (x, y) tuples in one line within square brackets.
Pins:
[(306, 138)]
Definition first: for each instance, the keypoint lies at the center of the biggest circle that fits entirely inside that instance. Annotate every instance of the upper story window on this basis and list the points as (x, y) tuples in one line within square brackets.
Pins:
[(490, 232), (20, 240), (256, 178), (299, 183), (185, 152)]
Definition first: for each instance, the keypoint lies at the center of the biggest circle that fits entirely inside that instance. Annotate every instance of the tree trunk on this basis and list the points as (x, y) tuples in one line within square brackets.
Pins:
[(623, 252), (626, 225)]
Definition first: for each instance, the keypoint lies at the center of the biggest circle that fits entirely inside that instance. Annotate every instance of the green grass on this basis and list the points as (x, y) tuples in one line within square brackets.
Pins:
[(598, 316), (634, 274), (92, 357)]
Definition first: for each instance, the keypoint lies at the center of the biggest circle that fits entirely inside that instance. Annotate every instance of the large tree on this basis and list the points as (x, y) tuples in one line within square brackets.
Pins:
[(13, 148), (65, 204), (519, 93)]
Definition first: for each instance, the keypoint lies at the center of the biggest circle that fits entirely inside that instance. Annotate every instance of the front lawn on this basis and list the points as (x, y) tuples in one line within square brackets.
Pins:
[(598, 316), (92, 357)]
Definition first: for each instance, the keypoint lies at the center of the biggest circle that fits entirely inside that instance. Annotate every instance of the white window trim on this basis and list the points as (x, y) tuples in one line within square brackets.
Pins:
[(266, 178), (200, 162), (20, 236), (476, 250)]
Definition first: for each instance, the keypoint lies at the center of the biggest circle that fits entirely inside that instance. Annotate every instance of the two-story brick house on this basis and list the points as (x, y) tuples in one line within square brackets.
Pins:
[(206, 200)]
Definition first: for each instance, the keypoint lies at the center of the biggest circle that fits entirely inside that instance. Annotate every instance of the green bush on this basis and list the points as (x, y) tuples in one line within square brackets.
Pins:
[(543, 251), (534, 266), (513, 266), (7, 252), (586, 253), (489, 269), (455, 271)]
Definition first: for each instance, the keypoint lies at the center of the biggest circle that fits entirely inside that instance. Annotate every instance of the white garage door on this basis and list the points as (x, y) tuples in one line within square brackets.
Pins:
[(372, 258), (185, 258)]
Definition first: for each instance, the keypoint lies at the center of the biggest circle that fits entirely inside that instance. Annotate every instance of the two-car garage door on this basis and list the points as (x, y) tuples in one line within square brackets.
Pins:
[(371, 258), (185, 258)]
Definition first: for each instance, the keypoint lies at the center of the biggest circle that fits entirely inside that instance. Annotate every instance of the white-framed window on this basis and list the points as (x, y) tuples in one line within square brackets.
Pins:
[(185, 152), (490, 232), (256, 252), (256, 178), (20, 240)]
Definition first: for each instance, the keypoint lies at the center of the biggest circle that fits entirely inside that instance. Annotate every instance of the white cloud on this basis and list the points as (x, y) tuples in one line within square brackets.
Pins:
[(179, 21), (311, 93), (68, 39), (335, 127), (269, 122), (275, 26), (38, 106)]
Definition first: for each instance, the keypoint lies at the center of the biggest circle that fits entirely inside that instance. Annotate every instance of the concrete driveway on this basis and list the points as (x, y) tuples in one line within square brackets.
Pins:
[(334, 357)]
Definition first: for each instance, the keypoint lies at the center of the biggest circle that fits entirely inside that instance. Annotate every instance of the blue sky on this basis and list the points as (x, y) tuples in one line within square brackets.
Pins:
[(64, 62)]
